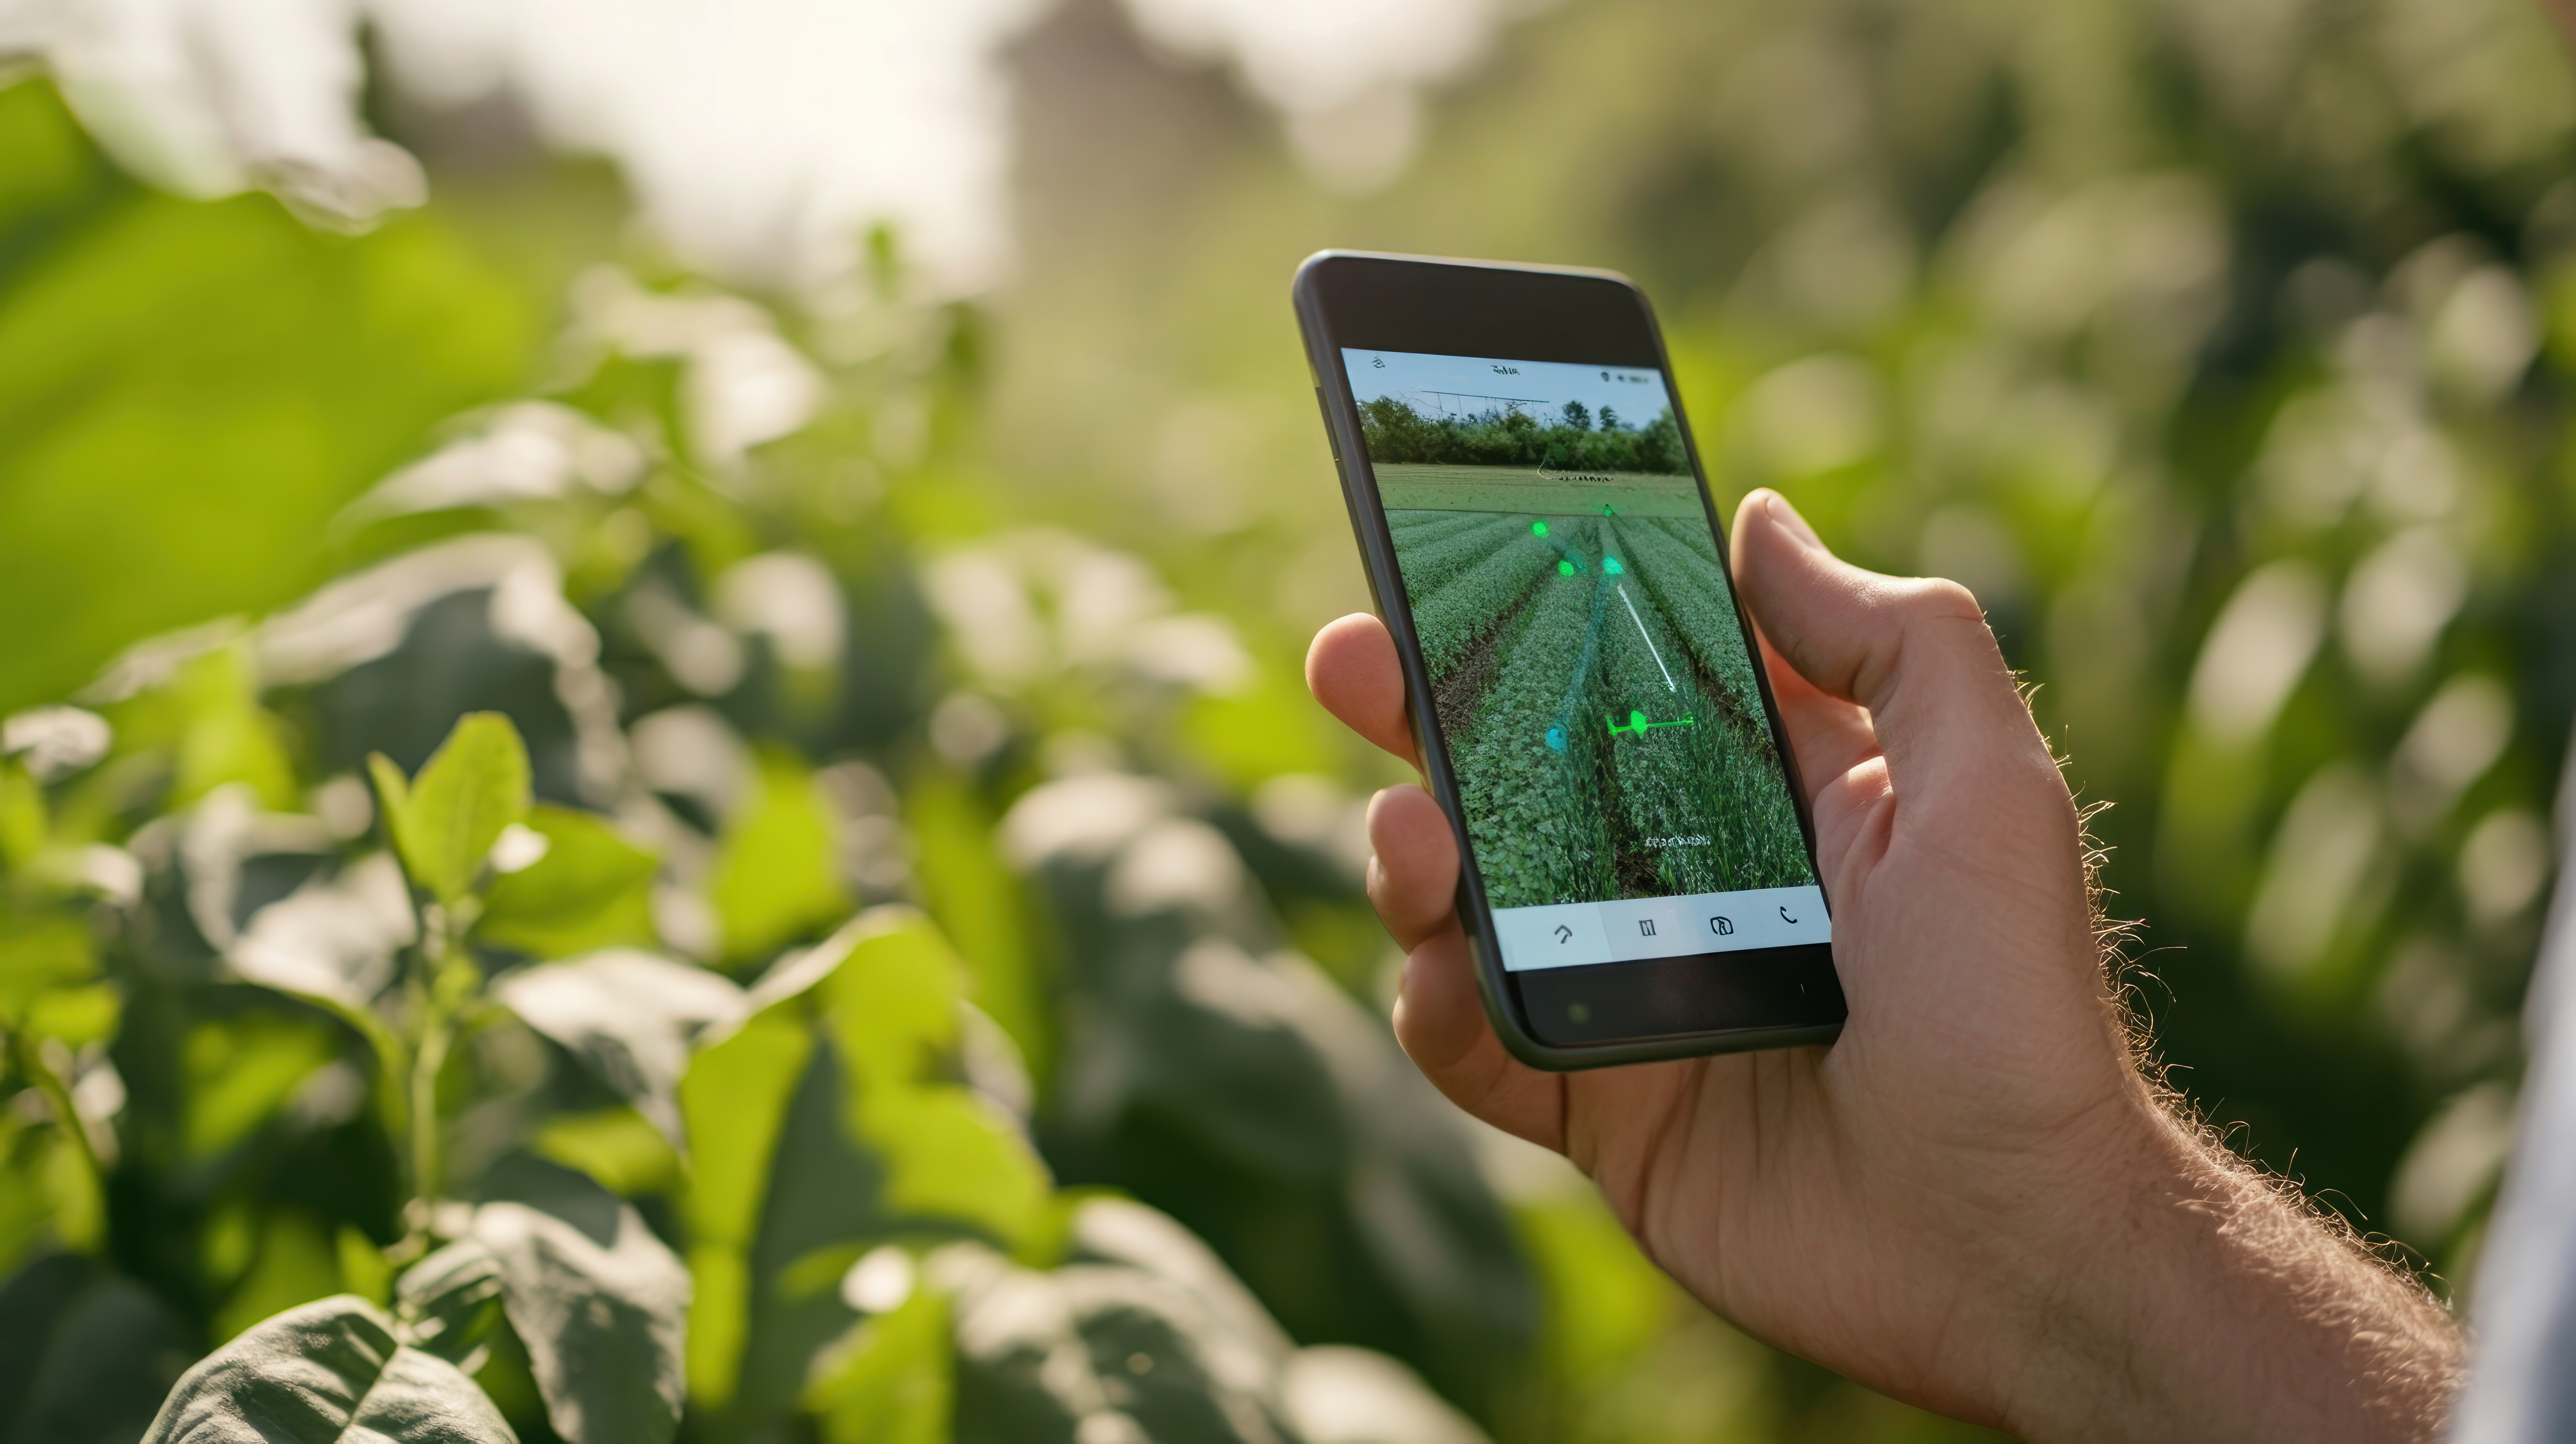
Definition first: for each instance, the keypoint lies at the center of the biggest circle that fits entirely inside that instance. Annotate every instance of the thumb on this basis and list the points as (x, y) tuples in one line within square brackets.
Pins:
[(1914, 651)]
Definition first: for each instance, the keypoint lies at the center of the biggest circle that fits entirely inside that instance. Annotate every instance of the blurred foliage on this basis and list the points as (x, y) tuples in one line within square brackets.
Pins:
[(2221, 350)]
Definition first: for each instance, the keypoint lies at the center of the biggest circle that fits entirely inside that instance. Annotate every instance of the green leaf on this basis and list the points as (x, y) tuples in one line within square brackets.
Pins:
[(1097, 1351), (472, 788), (734, 1099), (592, 889), (892, 1380), (980, 904), (630, 1015), (46, 1190), (331, 1370), (777, 876), (22, 817), (614, 1145), (38, 956), (294, 1262), (241, 1070), (450, 1300), (189, 391), (601, 1310), (893, 1009)]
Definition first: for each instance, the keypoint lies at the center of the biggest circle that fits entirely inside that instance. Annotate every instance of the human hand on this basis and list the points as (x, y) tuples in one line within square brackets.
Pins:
[(1973, 1201)]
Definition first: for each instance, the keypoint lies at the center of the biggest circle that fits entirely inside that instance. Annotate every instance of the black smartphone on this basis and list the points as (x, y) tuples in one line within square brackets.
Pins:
[(1591, 710)]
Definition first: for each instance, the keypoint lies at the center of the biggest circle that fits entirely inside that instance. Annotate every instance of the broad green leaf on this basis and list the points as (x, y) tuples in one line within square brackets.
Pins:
[(189, 391), (893, 1009), (627, 1154), (206, 720), (241, 1070), (1092, 1351), (602, 1313), (892, 1380), (364, 1270), (331, 1370), (22, 817), (38, 956), (847, 1129), (777, 875), (979, 903), (592, 889), (630, 1015), (78, 1016), (472, 788), (734, 1099), (47, 1191), (295, 1262), (449, 1301)]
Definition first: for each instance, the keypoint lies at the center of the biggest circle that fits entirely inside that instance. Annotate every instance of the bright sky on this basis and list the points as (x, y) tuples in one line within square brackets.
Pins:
[(762, 137), (1419, 380)]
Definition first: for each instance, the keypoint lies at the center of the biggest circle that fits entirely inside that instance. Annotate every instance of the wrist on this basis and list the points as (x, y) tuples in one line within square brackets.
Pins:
[(2197, 1299)]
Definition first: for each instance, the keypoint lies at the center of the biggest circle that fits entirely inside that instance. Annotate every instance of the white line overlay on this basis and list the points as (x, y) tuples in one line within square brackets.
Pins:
[(1651, 649), (1567, 935)]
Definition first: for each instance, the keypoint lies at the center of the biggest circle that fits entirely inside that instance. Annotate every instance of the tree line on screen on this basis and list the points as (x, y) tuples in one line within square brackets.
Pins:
[(1571, 440)]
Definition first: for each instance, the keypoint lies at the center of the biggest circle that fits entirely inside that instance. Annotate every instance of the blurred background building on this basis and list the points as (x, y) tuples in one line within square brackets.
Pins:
[(897, 410)]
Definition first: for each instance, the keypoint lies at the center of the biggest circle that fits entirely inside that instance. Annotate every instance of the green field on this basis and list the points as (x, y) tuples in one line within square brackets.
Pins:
[(1598, 703), (1415, 487)]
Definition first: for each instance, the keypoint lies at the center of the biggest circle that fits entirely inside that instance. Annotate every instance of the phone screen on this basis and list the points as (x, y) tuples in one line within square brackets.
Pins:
[(1623, 796)]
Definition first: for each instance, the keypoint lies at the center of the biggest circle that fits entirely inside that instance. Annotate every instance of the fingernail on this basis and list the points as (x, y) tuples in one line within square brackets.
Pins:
[(1792, 523)]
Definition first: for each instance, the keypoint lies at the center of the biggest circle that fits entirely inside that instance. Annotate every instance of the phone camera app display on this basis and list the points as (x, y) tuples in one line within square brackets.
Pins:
[(1621, 791)]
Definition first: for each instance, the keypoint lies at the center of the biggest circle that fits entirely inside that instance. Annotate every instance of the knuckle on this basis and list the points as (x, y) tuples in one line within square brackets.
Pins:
[(1938, 598)]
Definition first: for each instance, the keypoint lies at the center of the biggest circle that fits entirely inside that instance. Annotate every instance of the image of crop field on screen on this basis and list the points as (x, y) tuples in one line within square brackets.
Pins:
[(1587, 669)]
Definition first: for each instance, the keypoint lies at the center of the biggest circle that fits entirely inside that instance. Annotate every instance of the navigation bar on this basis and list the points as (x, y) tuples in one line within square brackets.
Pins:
[(1566, 935)]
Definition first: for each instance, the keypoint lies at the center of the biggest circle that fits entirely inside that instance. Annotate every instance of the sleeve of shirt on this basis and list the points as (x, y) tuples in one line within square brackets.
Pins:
[(2522, 1384)]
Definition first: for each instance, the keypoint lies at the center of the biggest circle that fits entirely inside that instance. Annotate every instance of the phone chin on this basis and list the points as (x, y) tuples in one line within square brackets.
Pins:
[(1703, 1003)]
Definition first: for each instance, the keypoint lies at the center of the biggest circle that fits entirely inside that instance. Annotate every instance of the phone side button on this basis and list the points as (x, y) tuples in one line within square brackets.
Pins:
[(1330, 440)]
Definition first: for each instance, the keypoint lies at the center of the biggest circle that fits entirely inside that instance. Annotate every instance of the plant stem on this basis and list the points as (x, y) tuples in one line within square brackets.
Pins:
[(425, 1068), (58, 1096)]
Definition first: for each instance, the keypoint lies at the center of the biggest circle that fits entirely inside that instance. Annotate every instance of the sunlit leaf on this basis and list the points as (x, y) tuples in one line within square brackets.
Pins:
[(37, 956), (893, 1009), (891, 1381), (22, 816), (776, 873), (1090, 1350), (241, 1070), (979, 903), (591, 889), (445, 822), (331, 1370), (734, 1098), (602, 1311), (450, 1301), (617, 1146), (77, 1016), (629, 1015), (189, 391), (295, 1261)]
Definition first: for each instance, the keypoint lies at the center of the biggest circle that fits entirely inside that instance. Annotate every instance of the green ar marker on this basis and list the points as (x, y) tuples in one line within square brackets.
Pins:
[(1638, 726)]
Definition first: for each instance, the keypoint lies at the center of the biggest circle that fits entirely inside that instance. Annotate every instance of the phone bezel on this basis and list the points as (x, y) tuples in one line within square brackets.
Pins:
[(1376, 301)]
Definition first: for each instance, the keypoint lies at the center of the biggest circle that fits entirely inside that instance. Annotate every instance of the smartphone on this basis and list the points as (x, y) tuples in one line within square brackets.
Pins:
[(1590, 706)]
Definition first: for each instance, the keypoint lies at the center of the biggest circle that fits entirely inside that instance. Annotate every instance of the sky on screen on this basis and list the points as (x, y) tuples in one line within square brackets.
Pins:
[(1464, 385)]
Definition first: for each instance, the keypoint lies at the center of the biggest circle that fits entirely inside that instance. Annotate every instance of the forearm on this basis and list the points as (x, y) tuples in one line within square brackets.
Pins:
[(2206, 1305)]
